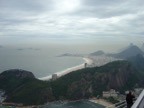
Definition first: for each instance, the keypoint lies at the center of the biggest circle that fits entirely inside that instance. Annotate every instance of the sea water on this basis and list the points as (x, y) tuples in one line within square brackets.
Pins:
[(42, 62), (77, 104)]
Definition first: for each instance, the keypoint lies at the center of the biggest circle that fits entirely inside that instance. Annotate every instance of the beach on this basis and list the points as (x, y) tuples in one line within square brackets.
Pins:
[(101, 102), (87, 61)]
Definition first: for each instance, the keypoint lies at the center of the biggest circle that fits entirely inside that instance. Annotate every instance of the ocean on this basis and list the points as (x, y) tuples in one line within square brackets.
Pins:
[(39, 61), (77, 104)]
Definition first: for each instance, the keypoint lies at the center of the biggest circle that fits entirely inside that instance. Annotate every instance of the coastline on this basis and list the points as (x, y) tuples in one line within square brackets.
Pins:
[(101, 102), (87, 60)]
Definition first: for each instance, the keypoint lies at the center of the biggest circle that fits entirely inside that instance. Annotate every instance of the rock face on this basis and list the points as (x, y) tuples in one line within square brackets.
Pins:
[(116, 77), (17, 73)]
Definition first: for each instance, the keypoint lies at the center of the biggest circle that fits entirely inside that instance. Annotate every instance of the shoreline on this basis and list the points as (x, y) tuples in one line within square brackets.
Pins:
[(101, 102), (87, 60)]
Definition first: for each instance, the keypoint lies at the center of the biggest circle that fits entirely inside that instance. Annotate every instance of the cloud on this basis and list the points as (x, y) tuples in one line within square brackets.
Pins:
[(51, 19), (26, 5), (109, 8)]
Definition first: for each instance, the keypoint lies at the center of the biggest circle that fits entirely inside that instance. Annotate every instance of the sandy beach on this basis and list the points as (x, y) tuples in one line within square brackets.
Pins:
[(88, 61), (101, 102)]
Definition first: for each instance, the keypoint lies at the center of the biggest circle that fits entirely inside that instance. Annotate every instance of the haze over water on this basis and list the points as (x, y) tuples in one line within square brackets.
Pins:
[(40, 61), (41, 58)]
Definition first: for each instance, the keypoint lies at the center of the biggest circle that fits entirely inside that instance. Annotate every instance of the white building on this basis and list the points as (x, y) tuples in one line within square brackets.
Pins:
[(54, 76), (111, 93)]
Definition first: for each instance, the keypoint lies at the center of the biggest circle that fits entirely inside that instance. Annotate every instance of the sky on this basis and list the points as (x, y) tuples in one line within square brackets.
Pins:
[(72, 21)]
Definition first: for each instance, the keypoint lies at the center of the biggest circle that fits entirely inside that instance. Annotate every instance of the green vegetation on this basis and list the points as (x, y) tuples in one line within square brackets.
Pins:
[(84, 83), (34, 92), (78, 84), (28, 90)]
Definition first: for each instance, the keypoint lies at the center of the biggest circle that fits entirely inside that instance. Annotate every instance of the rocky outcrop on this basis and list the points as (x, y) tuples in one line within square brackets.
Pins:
[(118, 78), (17, 73)]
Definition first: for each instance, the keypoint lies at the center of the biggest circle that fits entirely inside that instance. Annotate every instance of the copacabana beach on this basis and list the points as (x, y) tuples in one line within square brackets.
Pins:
[(87, 61)]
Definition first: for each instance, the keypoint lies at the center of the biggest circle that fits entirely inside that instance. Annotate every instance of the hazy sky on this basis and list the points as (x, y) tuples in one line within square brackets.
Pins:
[(71, 21)]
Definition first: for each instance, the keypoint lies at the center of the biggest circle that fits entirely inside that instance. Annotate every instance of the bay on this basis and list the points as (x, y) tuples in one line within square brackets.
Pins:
[(76, 104), (41, 62)]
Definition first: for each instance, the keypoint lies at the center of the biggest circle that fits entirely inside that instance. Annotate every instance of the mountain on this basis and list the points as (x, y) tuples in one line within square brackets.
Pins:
[(97, 53), (138, 62), (11, 78), (142, 48), (131, 51), (80, 84), (22, 87), (17, 73), (84, 83)]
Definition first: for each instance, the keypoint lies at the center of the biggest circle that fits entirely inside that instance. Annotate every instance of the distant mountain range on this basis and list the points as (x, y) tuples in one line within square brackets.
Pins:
[(131, 51), (128, 52)]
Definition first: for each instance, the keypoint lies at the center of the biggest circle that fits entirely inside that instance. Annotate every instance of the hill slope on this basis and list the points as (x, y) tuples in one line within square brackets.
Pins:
[(22, 87), (80, 84), (119, 75)]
